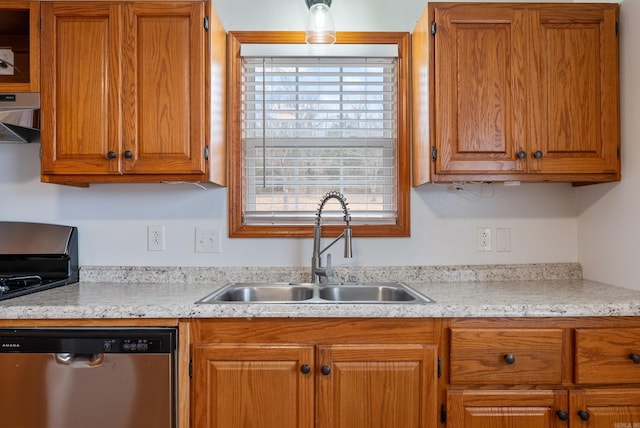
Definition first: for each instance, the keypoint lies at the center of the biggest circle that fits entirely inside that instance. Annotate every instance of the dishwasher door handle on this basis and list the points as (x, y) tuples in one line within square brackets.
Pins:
[(79, 360)]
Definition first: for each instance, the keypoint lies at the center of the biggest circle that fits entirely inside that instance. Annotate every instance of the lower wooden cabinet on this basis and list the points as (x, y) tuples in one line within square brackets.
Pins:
[(605, 408), (543, 373), (521, 409), (375, 386), (253, 385), (416, 373), (588, 408), (607, 355), (361, 380), (488, 356)]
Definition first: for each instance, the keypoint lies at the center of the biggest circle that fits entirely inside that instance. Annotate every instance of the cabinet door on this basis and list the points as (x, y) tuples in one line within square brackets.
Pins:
[(80, 87), (480, 98), (376, 386), (605, 408), (253, 386), (164, 86), (522, 409), (574, 82)]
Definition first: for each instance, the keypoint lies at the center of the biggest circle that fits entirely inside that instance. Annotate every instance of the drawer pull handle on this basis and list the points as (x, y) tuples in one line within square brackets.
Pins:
[(583, 415), (111, 155), (537, 154), (562, 415), (635, 358), (509, 358), (522, 154), (305, 369), (325, 370)]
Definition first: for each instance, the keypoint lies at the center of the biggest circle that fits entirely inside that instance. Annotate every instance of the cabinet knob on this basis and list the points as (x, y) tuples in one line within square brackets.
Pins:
[(635, 358), (537, 154), (522, 154), (111, 155), (509, 358), (128, 154), (562, 415), (325, 370), (583, 415), (305, 369)]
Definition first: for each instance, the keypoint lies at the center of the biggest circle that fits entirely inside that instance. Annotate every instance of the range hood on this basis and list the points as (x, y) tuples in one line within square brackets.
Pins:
[(20, 117)]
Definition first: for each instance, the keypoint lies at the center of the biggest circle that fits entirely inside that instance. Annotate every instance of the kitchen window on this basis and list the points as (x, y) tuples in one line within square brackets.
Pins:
[(304, 124)]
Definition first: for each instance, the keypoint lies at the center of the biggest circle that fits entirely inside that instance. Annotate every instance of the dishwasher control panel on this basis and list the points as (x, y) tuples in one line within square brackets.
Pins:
[(89, 341), (132, 345)]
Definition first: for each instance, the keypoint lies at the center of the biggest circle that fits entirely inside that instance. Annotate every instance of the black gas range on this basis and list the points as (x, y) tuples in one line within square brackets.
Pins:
[(36, 257)]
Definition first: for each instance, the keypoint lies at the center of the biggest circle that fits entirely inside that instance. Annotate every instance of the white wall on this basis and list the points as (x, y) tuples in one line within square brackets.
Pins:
[(609, 217), (112, 219)]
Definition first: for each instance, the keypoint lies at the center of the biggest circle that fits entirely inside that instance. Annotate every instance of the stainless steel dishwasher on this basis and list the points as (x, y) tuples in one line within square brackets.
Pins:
[(81, 378)]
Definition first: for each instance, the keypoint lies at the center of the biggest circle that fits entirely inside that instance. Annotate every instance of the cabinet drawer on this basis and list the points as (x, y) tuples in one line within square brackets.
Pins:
[(606, 355), (506, 356)]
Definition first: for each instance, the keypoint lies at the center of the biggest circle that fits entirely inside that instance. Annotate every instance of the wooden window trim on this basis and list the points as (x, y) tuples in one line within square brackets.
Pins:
[(234, 72)]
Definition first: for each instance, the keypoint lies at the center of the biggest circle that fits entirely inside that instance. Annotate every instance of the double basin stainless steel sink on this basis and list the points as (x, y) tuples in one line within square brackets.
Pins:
[(316, 293)]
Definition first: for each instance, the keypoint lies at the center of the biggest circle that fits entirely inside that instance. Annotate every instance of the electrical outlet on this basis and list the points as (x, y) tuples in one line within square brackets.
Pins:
[(484, 239), (155, 238), (207, 240), (6, 55)]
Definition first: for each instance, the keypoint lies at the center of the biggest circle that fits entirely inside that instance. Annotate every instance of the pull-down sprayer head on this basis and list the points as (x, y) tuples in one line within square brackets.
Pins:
[(347, 233), (316, 269)]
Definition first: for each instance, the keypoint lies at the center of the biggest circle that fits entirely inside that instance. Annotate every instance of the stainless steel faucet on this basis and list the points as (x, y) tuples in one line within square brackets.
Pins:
[(317, 271)]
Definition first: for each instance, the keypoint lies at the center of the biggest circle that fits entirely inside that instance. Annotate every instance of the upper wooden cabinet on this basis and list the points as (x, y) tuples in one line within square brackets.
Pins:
[(132, 92), (19, 32), (517, 92)]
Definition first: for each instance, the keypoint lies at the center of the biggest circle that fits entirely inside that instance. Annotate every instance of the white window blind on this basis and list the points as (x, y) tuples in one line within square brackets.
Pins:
[(313, 125)]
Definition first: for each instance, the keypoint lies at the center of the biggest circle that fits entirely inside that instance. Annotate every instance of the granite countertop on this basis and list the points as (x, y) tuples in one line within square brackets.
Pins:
[(485, 298)]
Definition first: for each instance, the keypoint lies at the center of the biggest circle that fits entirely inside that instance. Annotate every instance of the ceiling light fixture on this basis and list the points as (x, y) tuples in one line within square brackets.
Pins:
[(320, 26)]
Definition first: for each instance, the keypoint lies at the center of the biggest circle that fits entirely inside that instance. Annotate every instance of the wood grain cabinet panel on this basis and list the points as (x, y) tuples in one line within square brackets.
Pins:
[(606, 408), (607, 356), (375, 386), (81, 109), (163, 88), (574, 90), (579, 372), (334, 373), (128, 92), (518, 92), (253, 385), (480, 108), (506, 356), (521, 409)]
